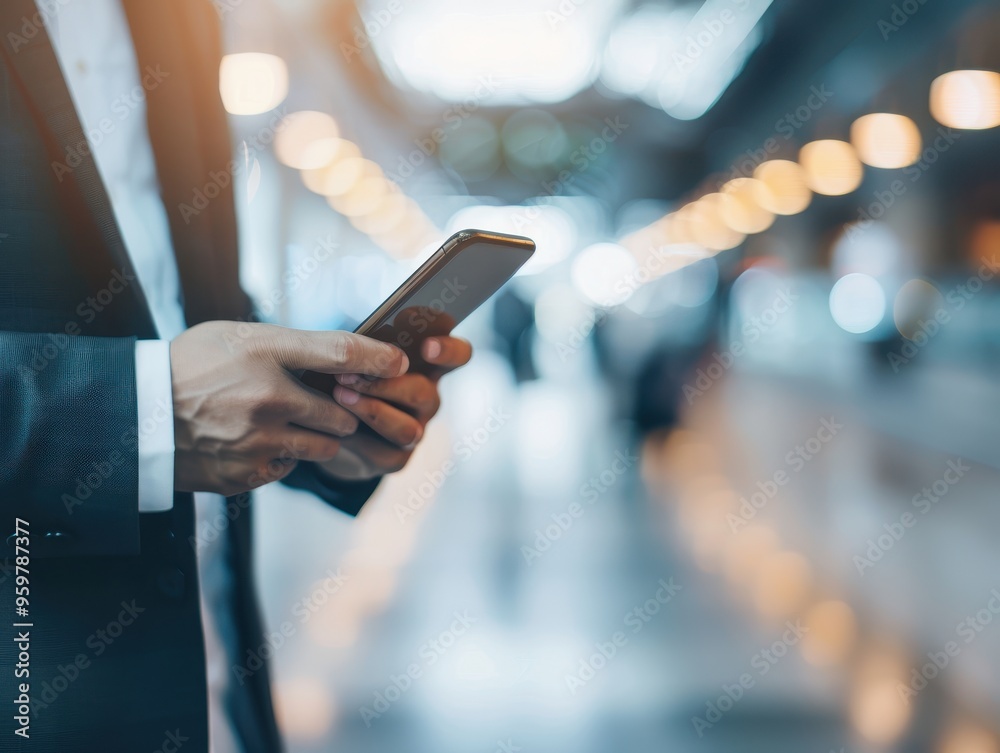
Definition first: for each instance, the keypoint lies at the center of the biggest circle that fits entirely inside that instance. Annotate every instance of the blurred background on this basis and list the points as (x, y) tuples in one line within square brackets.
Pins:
[(722, 474)]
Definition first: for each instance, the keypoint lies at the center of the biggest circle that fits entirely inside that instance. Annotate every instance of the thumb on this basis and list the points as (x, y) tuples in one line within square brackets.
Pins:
[(339, 353)]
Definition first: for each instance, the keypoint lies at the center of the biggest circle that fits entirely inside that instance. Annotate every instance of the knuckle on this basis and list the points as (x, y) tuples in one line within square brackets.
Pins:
[(328, 450), (387, 358), (427, 397), (256, 479), (257, 407), (274, 469), (343, 424), (293, 450), (342, 348), (229, 484), (427, 391), (263, 400)]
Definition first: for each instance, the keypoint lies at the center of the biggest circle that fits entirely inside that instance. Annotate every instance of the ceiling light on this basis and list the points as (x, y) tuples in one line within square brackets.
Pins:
[(832, 167), (886, 140)]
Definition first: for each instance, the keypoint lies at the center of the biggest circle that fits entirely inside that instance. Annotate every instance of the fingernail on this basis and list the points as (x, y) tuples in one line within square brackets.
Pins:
[(346, 396), (404, 366), (432, 349), (348, 379)]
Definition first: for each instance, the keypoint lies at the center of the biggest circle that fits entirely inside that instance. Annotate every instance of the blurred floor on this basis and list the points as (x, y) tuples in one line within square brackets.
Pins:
[(772, 598)]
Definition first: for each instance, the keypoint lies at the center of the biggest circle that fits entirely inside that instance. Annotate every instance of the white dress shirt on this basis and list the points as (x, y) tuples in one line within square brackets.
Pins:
[(93, 43)]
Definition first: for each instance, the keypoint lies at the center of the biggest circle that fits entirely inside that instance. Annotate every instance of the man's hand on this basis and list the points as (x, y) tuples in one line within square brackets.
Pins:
[(396, 410), (241, 417)]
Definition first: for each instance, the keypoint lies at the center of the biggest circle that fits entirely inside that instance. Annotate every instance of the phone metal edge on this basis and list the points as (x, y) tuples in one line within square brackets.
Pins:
[(454, 245)]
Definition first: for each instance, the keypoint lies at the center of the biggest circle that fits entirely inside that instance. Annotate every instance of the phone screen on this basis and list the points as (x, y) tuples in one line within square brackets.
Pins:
[(445, 291), (448, 297)]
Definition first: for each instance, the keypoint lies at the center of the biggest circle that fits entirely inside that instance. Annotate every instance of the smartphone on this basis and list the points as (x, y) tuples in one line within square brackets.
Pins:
[(470, 267)]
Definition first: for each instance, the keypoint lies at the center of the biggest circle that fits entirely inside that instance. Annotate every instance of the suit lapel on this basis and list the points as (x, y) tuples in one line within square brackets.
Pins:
[(28, 52), (190, 136)]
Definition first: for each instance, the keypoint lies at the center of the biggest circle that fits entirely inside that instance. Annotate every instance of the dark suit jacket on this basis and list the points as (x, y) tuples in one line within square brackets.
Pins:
[(116, 650)]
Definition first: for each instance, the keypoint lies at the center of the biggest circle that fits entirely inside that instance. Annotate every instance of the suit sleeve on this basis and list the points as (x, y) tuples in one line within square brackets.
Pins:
[(346, 496), (69, 444)]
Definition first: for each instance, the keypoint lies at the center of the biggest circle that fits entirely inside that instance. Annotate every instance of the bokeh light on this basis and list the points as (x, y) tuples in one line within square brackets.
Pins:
[(877, 710), (781, 584), (967, 99), (886, 140), (306, 139), (707, 224), (252, 82), (857, 303), (602, 273), (916, 303), (744, 206), (831, 631), (969, 737), (832, 167), (787, 185), (304, 708)]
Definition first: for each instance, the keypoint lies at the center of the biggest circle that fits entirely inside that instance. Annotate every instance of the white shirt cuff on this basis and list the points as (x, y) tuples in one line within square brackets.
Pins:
[(156, 425)]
